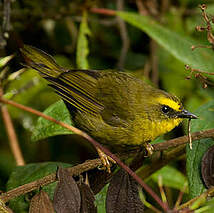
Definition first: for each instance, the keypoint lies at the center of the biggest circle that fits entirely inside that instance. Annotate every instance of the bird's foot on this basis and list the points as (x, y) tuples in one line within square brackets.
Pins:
[(149, 148), (105, 159)]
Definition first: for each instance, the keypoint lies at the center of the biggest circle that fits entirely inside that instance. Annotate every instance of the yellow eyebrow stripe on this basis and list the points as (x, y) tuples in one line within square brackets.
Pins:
[(169, 102)]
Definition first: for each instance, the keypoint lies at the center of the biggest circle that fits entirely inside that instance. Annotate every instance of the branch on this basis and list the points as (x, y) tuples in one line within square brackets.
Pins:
[(76, 170), (95, 144), (13, 141), (160, 161), (208, 193), (183, 140), (157, 147)]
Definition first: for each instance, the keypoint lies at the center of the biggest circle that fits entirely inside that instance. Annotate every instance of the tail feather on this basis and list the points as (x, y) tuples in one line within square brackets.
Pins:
[(76, 87), (41, 61)]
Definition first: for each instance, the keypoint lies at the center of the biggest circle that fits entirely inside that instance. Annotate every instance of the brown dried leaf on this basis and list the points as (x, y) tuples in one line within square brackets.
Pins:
[(98, 179), (87, 199), (41, 203), (66, 196), (207, 167), (123, 195)]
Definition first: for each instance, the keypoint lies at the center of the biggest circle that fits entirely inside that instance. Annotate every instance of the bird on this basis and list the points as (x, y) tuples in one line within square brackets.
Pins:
[(117, 109)]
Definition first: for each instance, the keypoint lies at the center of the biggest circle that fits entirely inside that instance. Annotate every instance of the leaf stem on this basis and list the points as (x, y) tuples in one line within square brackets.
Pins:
[(13, 141)]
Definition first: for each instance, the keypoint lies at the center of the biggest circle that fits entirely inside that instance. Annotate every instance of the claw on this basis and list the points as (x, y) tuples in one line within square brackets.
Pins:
[(105, 161), (149, 148)]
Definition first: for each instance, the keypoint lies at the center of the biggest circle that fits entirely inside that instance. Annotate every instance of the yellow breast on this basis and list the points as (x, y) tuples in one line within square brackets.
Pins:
[(162, 127)]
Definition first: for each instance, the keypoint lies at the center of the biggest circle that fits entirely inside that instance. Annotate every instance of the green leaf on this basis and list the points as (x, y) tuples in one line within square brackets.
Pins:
[(100, 199), (5, 60), (45, 128), (31, 90), (82, 44), (207, 207), (194, 156), (179, 46), (171, 177), (26, 174)]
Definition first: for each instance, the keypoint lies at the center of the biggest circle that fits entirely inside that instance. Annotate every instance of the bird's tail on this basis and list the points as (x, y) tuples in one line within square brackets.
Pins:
[(41, 61), (76, 87)]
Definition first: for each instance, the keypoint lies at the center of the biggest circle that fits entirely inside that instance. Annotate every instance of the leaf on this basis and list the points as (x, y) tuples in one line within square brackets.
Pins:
[(82, 44), (87, 199), (123, 195), (172, 75), (207, 207), (179, 46), (26, 174), (99, 178), (41, 203), (171, 177), (31, 90), (45, 128), (5, 60), (100, 199), (207, 167), (67, 195), (194, 156)]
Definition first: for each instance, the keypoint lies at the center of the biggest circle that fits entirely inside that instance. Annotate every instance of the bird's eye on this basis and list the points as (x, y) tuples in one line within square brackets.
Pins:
[(165, 109)]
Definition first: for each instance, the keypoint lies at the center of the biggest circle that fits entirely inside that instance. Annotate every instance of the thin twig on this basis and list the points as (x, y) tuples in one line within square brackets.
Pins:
[(208, 193), (3, 42), (183, 140), (187, 67), (170, 143), (95, 144), (124, 36), (162, 192), (6, 25), (180, 197), (208, 28), (154, 61), (76, 170), (13, 141), (103, 11), (141, 8)]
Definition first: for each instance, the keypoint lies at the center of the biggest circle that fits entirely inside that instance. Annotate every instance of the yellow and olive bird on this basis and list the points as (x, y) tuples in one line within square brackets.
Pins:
[(115, 108)]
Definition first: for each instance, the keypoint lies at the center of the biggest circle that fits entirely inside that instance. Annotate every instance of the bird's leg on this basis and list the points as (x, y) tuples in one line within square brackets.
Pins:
[(149, 148), (105, 160)]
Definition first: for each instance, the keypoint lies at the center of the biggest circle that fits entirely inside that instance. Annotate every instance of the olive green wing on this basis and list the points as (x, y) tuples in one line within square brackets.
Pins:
[(76, 87)]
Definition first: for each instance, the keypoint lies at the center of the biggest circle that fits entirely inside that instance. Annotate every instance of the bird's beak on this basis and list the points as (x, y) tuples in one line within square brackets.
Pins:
[(185, 114)]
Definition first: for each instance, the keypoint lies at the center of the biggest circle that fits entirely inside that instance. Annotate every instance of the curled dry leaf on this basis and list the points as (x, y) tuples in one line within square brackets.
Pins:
[(41, 203), (87, 199), (207, 167), (123, 195), (66, 196), (98, 179)]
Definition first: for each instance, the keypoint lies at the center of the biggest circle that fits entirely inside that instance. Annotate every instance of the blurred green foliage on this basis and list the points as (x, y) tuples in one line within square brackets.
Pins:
[(155, 47)]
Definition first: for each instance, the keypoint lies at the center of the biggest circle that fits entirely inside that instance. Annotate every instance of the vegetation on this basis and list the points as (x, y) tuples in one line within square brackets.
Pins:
[(169, 44)]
